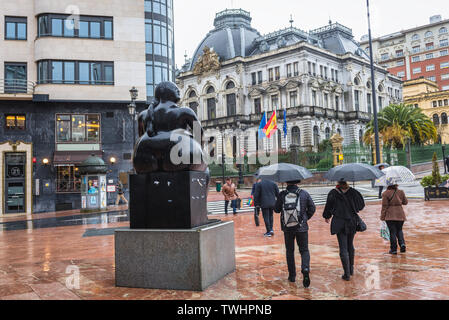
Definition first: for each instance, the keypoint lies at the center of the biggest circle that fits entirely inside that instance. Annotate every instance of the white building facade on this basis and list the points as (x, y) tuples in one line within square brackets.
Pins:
[(321, 79)]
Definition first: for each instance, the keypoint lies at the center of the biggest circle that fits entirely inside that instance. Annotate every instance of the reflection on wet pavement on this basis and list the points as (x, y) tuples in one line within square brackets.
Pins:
[(34, 261)]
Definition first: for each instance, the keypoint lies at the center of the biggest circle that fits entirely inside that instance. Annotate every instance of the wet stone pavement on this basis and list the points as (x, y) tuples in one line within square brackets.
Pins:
[(35, 262)]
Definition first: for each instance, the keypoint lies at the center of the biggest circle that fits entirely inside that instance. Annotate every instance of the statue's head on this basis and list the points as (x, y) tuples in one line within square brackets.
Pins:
[(167, 91)]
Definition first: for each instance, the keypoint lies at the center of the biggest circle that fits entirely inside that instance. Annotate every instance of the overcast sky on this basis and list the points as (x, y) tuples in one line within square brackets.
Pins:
[(194, 18)]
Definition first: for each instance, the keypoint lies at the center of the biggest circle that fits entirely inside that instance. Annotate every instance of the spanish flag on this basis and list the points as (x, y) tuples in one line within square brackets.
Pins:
[(271, 126)]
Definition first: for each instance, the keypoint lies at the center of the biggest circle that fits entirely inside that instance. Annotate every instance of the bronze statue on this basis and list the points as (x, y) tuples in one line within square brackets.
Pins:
[(166, 136)]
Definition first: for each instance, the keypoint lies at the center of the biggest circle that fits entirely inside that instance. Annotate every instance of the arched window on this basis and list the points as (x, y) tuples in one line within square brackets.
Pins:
[(296, 136), (192, 94), (230, 85), (436, 120), (194, 106), (356, 81), (428, 34), (328, 133), (368, 84), (361, 137), (210, 90), (415, 37), (339, 131), (380, 88), (444, 118), (316, 136), (234, 146), (443, 30)]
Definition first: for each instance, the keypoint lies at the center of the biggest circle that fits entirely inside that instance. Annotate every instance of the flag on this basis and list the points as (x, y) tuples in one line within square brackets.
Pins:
[(263, 123), (271, 126), (285, 123)]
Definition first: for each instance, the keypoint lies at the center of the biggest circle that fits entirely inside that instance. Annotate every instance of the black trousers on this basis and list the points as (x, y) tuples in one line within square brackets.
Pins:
[(380, 192), (268, 218), (256, 215), (302, 239), (347, 251), (233, 206), (396, 234)]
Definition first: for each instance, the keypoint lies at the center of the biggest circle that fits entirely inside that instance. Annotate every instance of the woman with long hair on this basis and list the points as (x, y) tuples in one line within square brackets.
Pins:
[(393, 214), (342, 205)]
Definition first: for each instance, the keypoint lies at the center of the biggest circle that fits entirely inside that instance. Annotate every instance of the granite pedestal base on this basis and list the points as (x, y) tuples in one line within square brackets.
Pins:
[(178, 259)]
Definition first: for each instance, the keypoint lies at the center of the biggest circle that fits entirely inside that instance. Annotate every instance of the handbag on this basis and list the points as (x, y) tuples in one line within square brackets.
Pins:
[(384, 231), (360, 225)]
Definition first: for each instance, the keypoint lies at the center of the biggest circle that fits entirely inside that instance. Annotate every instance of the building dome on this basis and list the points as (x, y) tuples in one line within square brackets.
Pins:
[(93, 165), (232, 37)]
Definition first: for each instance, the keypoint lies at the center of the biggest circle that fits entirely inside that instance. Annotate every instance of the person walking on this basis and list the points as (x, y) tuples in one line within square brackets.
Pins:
[(393, 214), (229, 191), (256, 208), (120, 193), (265, 196), (296, 208), (381, 188), (342, 205), (447, 163)]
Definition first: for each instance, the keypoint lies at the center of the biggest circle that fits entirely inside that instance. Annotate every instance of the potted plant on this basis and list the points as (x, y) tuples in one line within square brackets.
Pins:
[(431, 184)]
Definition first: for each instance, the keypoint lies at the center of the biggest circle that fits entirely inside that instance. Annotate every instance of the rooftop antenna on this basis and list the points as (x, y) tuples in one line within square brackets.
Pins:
[(291, 21), (185, 56)]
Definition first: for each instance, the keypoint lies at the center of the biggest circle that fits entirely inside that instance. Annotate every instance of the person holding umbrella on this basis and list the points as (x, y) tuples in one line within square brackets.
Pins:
[(265, 195), (393, 213), (296, 208), (342, 205)]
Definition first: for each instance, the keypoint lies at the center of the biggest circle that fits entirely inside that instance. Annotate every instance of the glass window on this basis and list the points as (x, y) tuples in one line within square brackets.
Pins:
[(156, 7), (84, 29), (293, 99), (56, 74), (157, 49), (43, 72), (56, 27), (148, 32), (148, 48), (149, 74), (78, 128), (164, 35), (95, 28), (68, 179), (109, 75), (157, 33), (211, 109), (21, 31), (10, 30), (69, 28), (96, 74), (43, 26), (231, 104), (93, 128), (15, 122), (108, 29), (257, 106), (63, 128), (84, 73), (69, 72), (157, 75)]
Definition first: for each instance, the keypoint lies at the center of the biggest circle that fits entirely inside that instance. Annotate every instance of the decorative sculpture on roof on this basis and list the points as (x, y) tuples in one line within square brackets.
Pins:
[(208, 62)]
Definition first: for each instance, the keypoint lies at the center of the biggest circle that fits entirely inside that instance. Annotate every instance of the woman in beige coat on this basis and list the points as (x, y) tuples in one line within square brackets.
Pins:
[(393, 213)]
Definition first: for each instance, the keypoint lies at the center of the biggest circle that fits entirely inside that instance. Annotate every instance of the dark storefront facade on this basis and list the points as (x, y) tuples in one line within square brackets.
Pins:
[(41, 144)]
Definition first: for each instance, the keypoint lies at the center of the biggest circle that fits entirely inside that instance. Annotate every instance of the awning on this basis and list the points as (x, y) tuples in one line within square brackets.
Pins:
[(73, 157)]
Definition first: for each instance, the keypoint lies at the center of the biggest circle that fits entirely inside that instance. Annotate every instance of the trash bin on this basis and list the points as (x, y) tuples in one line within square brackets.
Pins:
[(218, 186)]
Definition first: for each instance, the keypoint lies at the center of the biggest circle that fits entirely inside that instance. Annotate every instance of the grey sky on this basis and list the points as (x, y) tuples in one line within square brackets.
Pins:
[(194, 18)]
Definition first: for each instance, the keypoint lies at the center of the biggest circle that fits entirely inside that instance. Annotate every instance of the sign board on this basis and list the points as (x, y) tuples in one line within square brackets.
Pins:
[(111, 188)]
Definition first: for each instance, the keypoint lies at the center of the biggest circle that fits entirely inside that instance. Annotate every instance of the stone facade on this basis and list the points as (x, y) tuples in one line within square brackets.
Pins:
[(304, 74)]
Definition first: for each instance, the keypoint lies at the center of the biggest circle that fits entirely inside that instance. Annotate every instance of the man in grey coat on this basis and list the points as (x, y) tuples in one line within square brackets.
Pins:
[(265, 195)]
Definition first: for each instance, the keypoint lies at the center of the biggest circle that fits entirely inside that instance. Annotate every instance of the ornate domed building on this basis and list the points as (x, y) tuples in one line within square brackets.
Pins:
[(320, 78)]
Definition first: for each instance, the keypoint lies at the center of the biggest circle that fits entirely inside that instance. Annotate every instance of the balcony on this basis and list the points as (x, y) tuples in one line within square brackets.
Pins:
[(16, 89)]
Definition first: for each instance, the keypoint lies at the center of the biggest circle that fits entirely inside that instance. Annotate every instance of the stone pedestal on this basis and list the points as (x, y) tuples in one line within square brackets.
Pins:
[(174, 259), (168, 200)]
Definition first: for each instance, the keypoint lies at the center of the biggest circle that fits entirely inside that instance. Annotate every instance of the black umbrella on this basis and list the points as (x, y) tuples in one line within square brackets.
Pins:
[(353, 172), (283, 172)]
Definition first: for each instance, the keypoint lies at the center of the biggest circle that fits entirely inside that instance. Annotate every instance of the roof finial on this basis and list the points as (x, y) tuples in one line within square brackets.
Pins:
[(291, 21), (330, 21), (185, 57)]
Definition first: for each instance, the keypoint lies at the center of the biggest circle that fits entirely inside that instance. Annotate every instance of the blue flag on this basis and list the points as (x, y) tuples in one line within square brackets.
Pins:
[(263, 123), (285, 123)]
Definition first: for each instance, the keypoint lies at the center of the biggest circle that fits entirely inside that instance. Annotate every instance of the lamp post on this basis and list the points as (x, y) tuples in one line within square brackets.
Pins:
[(373, 87), (443, 147), (132, 110), (222, 156)]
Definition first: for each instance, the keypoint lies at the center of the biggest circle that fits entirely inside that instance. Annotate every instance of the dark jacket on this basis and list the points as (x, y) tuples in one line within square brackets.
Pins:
[(306, 212), (343, 213), (253, 190), (265, 194)]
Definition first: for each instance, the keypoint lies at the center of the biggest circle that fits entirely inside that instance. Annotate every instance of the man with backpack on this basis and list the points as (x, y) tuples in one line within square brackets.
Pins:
[(296, 208)]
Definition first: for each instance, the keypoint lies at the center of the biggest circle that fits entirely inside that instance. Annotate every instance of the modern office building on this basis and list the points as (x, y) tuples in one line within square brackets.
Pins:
[(417, 52), (159, 43), (66, 70), (321, 78)]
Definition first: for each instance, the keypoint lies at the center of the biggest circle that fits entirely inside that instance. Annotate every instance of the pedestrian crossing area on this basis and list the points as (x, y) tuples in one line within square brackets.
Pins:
[(218, 207)]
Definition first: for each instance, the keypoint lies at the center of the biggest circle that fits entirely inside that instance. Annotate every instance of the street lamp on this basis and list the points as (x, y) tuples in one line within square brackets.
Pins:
[(373, 87), (132, 110), (444, 159)]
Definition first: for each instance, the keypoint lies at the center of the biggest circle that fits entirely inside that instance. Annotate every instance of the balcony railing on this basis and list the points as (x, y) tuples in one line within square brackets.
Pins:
[(16, 86)]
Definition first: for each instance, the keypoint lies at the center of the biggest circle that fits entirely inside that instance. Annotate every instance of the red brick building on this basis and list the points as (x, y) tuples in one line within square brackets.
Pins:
[(414, 53)]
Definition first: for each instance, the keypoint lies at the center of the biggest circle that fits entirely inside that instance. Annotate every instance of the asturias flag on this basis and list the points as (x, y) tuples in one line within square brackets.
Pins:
[(263, 123), (271, 126)]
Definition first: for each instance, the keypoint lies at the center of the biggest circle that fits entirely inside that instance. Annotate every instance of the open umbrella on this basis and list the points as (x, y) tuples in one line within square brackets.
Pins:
[(283, 172), (353, 172), (395, 175), (385, 165)]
